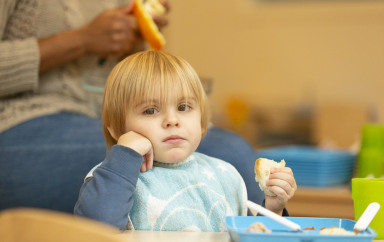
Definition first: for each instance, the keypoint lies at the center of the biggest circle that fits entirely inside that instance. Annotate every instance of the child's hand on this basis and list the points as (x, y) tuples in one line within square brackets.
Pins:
[(141, 145), (281, 182)]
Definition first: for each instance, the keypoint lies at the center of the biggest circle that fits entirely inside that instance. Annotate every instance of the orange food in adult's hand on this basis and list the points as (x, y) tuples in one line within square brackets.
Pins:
[(147, 26)]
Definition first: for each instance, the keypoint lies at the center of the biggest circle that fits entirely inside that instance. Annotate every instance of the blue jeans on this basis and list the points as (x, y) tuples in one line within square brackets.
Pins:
[(43, 161)]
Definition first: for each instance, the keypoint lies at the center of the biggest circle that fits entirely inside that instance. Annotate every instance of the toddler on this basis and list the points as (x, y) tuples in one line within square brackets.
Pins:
[(155, 113)]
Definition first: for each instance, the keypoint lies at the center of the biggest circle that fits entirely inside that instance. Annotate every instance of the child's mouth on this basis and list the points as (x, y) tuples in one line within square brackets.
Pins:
[(173, 139)]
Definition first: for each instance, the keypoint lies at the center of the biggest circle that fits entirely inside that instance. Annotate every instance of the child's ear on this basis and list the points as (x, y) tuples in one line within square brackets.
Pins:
[(203, 131), (111, 131)]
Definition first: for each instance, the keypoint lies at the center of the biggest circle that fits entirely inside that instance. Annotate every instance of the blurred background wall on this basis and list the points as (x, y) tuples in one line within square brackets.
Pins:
[(286, 71)]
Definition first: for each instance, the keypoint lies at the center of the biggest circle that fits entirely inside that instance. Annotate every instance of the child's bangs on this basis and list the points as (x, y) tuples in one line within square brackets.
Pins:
[(163, 81), (180, 78), (181, 86)]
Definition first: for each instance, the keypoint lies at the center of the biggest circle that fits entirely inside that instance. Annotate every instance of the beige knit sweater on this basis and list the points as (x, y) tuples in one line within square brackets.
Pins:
[(23, 93)]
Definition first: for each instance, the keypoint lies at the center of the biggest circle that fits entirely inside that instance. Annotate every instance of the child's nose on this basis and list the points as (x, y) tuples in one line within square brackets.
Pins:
[(171, 120)]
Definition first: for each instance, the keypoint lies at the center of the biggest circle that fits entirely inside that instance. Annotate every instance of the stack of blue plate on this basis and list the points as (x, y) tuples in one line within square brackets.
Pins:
[(314, 166)]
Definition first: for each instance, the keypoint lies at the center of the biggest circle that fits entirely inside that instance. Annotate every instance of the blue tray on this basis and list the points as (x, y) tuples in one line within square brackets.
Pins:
[(238, 225), (314, 166)]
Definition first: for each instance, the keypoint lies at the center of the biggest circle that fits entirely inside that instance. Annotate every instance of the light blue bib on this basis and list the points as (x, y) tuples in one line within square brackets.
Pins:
[(193, 195)]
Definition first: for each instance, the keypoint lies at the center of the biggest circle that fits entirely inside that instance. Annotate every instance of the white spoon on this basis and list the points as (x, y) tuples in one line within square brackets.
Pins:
[(366, 218), (273, 216)]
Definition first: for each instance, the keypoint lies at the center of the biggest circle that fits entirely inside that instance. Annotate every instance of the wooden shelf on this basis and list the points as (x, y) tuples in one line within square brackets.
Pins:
[(322, 202)]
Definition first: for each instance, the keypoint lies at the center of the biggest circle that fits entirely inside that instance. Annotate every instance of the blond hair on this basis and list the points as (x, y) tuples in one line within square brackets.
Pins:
[(136, 78)]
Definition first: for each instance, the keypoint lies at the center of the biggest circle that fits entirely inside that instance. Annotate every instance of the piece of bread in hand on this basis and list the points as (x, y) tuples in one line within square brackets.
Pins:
[(143, 12), (263, 168)]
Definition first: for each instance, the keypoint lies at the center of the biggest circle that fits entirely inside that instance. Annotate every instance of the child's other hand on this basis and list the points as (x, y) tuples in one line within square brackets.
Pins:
[(281, 182), (141, 145)]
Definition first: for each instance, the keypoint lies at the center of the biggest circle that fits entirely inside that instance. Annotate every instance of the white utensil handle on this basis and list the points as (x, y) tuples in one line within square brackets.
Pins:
[(273, 216), (367, 216)]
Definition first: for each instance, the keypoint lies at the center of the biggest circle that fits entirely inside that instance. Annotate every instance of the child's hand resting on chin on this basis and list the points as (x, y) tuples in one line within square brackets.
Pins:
[(141, 145)]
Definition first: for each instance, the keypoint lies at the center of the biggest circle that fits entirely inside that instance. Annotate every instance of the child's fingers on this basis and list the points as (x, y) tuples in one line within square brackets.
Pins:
[(285, 174), (143, 167), (148, 161), (288, 189), (284, 177), (280, 192), (285, 181), (283, 170)]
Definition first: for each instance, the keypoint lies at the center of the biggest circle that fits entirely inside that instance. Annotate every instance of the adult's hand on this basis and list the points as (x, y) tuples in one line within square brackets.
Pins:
[(113, 33), (162, 20)]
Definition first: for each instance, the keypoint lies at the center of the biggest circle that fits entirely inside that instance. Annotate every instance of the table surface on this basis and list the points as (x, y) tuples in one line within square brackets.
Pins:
[(149, 236), (162, 236)]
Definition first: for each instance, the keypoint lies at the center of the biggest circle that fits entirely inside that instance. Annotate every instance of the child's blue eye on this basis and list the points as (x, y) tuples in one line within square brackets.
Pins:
[(184, 107), (150, 111)]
